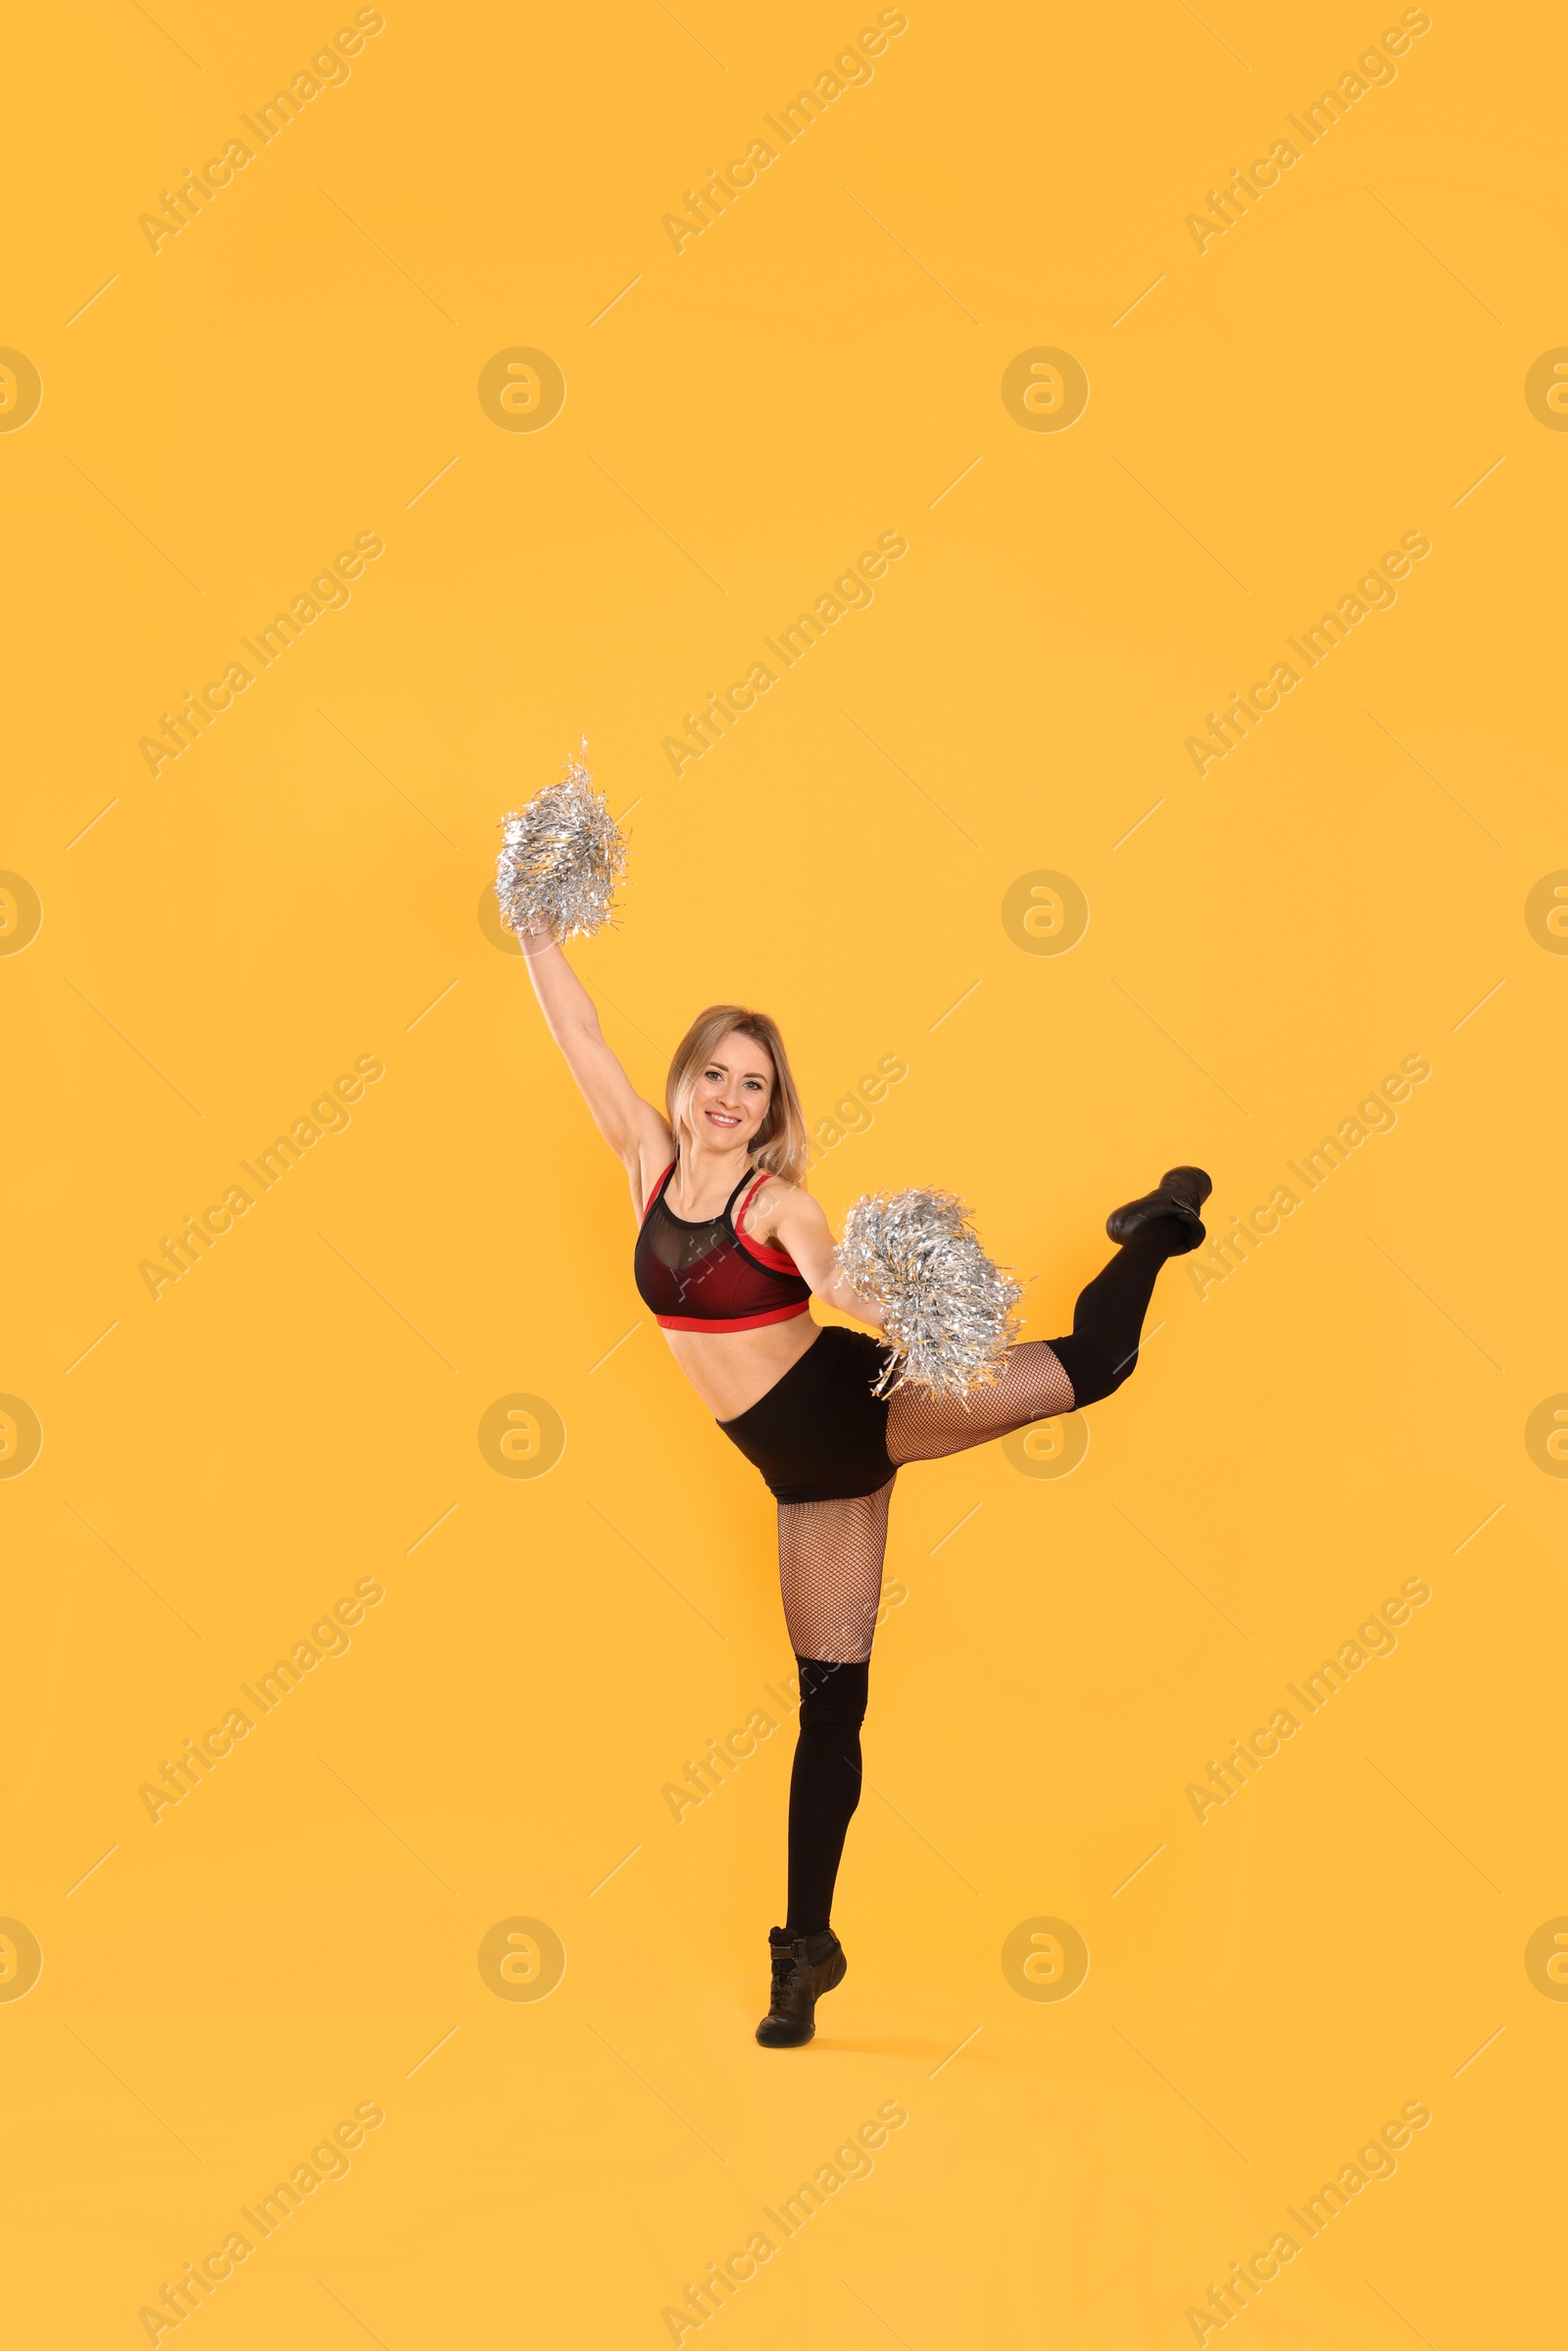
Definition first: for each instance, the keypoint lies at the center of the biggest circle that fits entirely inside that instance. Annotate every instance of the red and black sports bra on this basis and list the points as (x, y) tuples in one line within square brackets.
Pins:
[(704, 1277)]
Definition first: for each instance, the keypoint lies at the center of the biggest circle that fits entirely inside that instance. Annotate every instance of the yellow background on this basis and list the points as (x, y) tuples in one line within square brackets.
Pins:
[(299, 366)]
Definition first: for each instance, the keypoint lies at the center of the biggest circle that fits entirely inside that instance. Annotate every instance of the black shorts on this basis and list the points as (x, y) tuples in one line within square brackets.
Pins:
[(820, 1434)]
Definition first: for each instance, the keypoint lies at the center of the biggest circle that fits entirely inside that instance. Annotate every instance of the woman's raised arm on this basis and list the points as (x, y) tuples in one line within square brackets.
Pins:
[(627, 1123)]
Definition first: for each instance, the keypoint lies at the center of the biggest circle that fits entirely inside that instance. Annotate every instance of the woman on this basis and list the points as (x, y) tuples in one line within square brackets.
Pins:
[(730, 1253)]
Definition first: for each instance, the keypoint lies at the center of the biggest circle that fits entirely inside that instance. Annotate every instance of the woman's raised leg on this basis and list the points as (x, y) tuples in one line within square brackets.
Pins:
[(1046, 1377)]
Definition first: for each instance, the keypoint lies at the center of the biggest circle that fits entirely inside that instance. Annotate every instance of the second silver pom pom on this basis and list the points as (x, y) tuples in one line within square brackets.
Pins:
[(949, 1312)]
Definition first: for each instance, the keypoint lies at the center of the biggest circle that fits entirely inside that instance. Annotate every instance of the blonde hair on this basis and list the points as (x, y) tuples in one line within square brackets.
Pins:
[(782, 1145)]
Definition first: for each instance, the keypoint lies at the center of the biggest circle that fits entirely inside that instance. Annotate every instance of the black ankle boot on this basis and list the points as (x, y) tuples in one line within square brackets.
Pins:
[(804, 1966), (1177, 1199)]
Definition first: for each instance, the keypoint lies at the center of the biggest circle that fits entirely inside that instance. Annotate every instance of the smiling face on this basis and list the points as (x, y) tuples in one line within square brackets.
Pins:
[(731, 1092)]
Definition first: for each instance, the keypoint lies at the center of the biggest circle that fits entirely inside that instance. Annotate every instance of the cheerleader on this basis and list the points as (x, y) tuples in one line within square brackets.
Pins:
[(732, 1251)]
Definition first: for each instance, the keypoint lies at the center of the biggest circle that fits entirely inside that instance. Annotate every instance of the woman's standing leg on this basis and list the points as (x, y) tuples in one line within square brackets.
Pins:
[(830, 1571)]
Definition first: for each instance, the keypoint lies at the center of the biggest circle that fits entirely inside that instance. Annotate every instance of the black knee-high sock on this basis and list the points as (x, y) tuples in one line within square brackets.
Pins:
[(824, 1784), (1110, 1313)]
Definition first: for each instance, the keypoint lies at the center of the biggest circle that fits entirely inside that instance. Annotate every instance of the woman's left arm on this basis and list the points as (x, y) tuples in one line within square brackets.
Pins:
[(799, 1227)]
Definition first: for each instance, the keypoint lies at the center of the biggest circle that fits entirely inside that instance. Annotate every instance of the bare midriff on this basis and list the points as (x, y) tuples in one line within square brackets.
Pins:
[(732, 1371)]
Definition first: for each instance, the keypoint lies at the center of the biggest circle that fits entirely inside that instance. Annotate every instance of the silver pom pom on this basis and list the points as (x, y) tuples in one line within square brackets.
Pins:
[(562, 860), (949, 1312)]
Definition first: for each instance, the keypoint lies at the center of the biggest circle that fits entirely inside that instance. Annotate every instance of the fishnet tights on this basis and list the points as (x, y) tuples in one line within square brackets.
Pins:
[(1033, 1386), (830, 1553), (830, 1571)]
